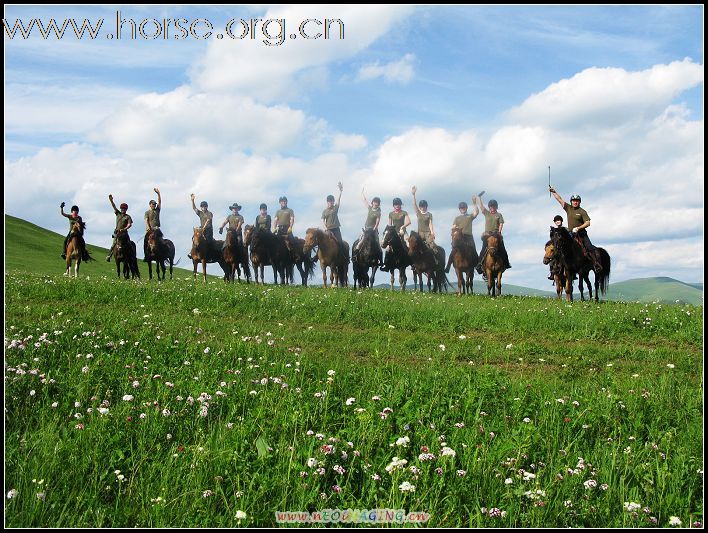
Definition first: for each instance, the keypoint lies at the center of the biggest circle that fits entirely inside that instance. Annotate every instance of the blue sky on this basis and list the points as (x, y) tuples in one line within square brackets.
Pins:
[(451, 99)]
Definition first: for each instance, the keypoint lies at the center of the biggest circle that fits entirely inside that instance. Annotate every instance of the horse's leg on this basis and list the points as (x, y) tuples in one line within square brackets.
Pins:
[(392, 277), (470, 281), (402, 278), (569, 287), (204, 263), (597, 287), (76, 267), (499, 277), (370, 282)]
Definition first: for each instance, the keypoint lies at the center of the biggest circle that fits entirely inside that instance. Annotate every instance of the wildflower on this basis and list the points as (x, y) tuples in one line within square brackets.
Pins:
[(207, 493), (55, 405), (339, 469), (12, 494), (395, 464), (448, 451), (350, 401), (240, 515), (461, 473), (376, 398), (331, 373), (442, 347), (128, 398), (590, 484), (403, 441), (406, 487), (41, 496), (376, 477), (439, 471), (312, 462), (674, 521), (508, 481), (527, 420), (671, 365)]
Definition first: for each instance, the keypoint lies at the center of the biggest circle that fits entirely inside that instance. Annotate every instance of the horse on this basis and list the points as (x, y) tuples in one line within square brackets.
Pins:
[(203, 252), (464, 259), (125, 252), (235, 256), (267, 249), (493, 264), (161, 251), (76, 249), (557, 270), (304, 262), (602, 276), (428, 261), (331, 254), (567, 256), (367, 255), (398, 257)]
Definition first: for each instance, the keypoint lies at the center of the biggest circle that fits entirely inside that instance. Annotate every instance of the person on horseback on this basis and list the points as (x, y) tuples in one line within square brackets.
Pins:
[(578, 220), (235, 222), (463, 221), (373, 218), (284, 219), (123, 223), (493, 223), (152, 220), (330, 219), (206, 219), (263, 219), (425, 223), (73, 218), (400, 220), (558, 223)]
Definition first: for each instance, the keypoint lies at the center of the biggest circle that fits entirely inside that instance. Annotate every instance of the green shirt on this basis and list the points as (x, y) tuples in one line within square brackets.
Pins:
[(424, 221), (398, 219), (464, 222), (122, 220), (234, 221), (152, 216), (330, 217), (72, 220), (371, 218), (263, 222), (492, 221), (283, 216), (576, 217), (205, 217)]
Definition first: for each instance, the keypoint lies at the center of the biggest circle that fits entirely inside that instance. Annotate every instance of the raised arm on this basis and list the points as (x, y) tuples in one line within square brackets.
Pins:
[(476, 200), (61, 210), (339, 198), (557, 197), (159, 198), (110, 197), (366, 202), (415, 202), (192, 196)]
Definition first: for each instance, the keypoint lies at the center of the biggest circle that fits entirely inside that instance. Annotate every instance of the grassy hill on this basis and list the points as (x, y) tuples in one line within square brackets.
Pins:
[(31, 248)]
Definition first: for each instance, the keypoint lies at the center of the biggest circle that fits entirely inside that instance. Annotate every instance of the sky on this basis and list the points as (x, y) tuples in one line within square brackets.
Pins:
[(451, 99)]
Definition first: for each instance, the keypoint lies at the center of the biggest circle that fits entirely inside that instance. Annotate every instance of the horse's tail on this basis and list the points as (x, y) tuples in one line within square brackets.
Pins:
[(175, 263), (309, 263), (606, 263)]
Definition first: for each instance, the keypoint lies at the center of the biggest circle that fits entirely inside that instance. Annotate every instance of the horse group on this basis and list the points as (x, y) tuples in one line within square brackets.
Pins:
[(569, 260)]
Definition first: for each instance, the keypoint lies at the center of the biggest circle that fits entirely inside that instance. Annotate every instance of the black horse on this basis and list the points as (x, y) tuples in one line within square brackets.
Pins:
[(125, 252), (602, 275), (161, 251), (397, 257), (269, 249), (567, 257), (303, 261), (365, 256)]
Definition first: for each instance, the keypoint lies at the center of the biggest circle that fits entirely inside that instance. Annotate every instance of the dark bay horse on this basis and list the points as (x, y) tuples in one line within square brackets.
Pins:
[(161, 251), (464, 259), (76, 249), (303, 261), (567, 256), (426, 261), (602, 276), (493, 264), (268, 249), (368, 255), (330, 255), (557, 270), (399, 258), (204, 252), (236, 257), (125, 252)]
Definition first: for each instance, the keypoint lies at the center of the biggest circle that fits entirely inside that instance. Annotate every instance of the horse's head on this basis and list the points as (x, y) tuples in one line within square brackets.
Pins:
[(231, 235), (414, 242), (388, 235), (312, 239), (550, 251), (247, 234), (198, 236), (456, 234), (77, 227)]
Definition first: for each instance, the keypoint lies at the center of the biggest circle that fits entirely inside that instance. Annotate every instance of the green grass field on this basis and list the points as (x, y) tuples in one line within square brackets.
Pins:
[(191, 404)]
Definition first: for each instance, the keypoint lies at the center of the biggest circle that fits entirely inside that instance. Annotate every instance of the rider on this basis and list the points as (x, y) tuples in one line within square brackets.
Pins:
[(425, 223), (235, 221), (463, 221), (373, 218), (152, 219), (578, 220), (263, 219), (400, 220), (206, 218), (123, 223), (284, 219), (73, 218), (493, 223), (330, 219), (558, 223)]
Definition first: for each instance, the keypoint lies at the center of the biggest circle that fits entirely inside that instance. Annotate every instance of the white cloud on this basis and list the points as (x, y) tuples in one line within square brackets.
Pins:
[(400, 71), (348, 143)]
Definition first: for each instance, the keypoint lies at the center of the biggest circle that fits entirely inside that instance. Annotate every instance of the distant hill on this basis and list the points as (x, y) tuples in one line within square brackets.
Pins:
[(34, 249)]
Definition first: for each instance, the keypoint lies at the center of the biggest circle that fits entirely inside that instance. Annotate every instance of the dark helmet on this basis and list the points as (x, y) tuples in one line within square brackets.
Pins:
[(557, 217), (397, 201), (575, 197), (423, 203), (376, 199), (493, 203), (203, 204), (152, 202), (330, 198), (283, 199), (75, 208), (263, 206), (124, 206), (462, 205)]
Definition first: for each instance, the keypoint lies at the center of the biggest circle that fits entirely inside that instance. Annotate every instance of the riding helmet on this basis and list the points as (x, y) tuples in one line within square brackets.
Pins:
[(423, 203), (330, 198), (397, 201), (203, 204), (575, 197), (557, 217), (124, 206), (376, 200), (462, 205), (263, 206), (75, 208), (283, 199), (152, 202), (493, 203)]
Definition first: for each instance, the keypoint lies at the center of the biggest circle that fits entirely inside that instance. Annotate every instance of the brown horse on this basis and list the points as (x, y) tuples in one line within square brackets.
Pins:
[(235, 257), (125, 252), (76, 249), (567, 256), (205, 252), (425, 260), (493, 265), (161, 251), (330, 255), (464, 259), (557, 269)]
